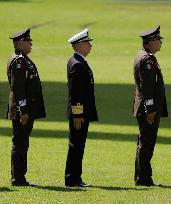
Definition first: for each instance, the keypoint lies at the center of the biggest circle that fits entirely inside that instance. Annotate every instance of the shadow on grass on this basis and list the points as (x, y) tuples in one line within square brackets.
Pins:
[(113, 188), (114, 102), (59, 188), (119, 188), (110, 188), (165, 186), (91, 135), (25, 1), (6, 189), (116, 188)]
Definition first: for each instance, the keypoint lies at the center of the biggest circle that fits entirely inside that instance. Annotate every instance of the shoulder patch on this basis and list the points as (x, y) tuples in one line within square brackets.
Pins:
[(149, 63), (19, 63), (18, 66)]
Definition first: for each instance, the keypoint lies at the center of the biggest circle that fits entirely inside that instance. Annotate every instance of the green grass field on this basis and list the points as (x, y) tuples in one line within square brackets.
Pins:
[(110, 149)]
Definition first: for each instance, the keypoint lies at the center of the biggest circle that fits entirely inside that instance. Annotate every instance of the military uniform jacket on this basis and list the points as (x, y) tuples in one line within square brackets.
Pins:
[(81, 99), (25, 88), (150, 91)]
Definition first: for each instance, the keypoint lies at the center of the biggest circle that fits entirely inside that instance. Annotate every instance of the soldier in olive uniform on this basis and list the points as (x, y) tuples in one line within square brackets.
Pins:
[(25, 104), (149, 103), (81, 106)]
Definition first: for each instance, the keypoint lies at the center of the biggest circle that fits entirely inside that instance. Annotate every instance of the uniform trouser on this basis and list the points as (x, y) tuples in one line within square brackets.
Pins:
[(145, 147), (77, 140), (20, 145)]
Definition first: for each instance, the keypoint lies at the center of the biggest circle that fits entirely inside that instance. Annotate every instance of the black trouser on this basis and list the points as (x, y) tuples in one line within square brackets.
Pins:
[(20, 145), (145, 147), (77, 140)]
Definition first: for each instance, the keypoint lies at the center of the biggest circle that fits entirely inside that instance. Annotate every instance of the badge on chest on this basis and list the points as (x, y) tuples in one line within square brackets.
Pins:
[(32, 71)]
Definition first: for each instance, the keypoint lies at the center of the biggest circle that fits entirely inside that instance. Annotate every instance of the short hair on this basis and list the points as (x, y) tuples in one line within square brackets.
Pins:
[(76, 46), (146, 41), (15, 43)]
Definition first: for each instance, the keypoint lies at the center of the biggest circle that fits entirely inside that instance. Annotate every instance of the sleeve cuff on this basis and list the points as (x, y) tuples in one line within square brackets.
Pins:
[(22, 103), (149, 102), (23, 107), (78, 109), (149, 106)]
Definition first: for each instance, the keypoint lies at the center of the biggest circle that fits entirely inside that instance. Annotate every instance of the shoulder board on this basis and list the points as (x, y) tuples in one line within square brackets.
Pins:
[(74, 62), (18, 61), (16, 58), (144, 58), (142, 55)]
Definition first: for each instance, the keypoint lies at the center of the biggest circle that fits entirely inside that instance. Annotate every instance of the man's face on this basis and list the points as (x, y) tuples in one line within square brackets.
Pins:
[(156, 44), (25, 46), (85, 47)]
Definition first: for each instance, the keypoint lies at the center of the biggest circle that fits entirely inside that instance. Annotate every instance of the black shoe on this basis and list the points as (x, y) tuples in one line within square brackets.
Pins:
[(84, 185), (144, 183), (80, 184), (147, 183), (157, 184), (14, 183)]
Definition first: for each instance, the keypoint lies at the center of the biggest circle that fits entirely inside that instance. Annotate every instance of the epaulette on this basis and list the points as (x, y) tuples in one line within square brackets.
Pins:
[(19, 56), (144, 58), (16, 58)]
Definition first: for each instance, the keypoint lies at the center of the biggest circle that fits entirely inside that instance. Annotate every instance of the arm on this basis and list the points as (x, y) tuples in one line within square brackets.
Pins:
[(18, 85), (147, 84), (76, 84)]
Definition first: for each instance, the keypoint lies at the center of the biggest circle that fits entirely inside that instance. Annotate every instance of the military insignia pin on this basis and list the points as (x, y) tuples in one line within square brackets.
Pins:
[(18, 66), (148, 66)]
